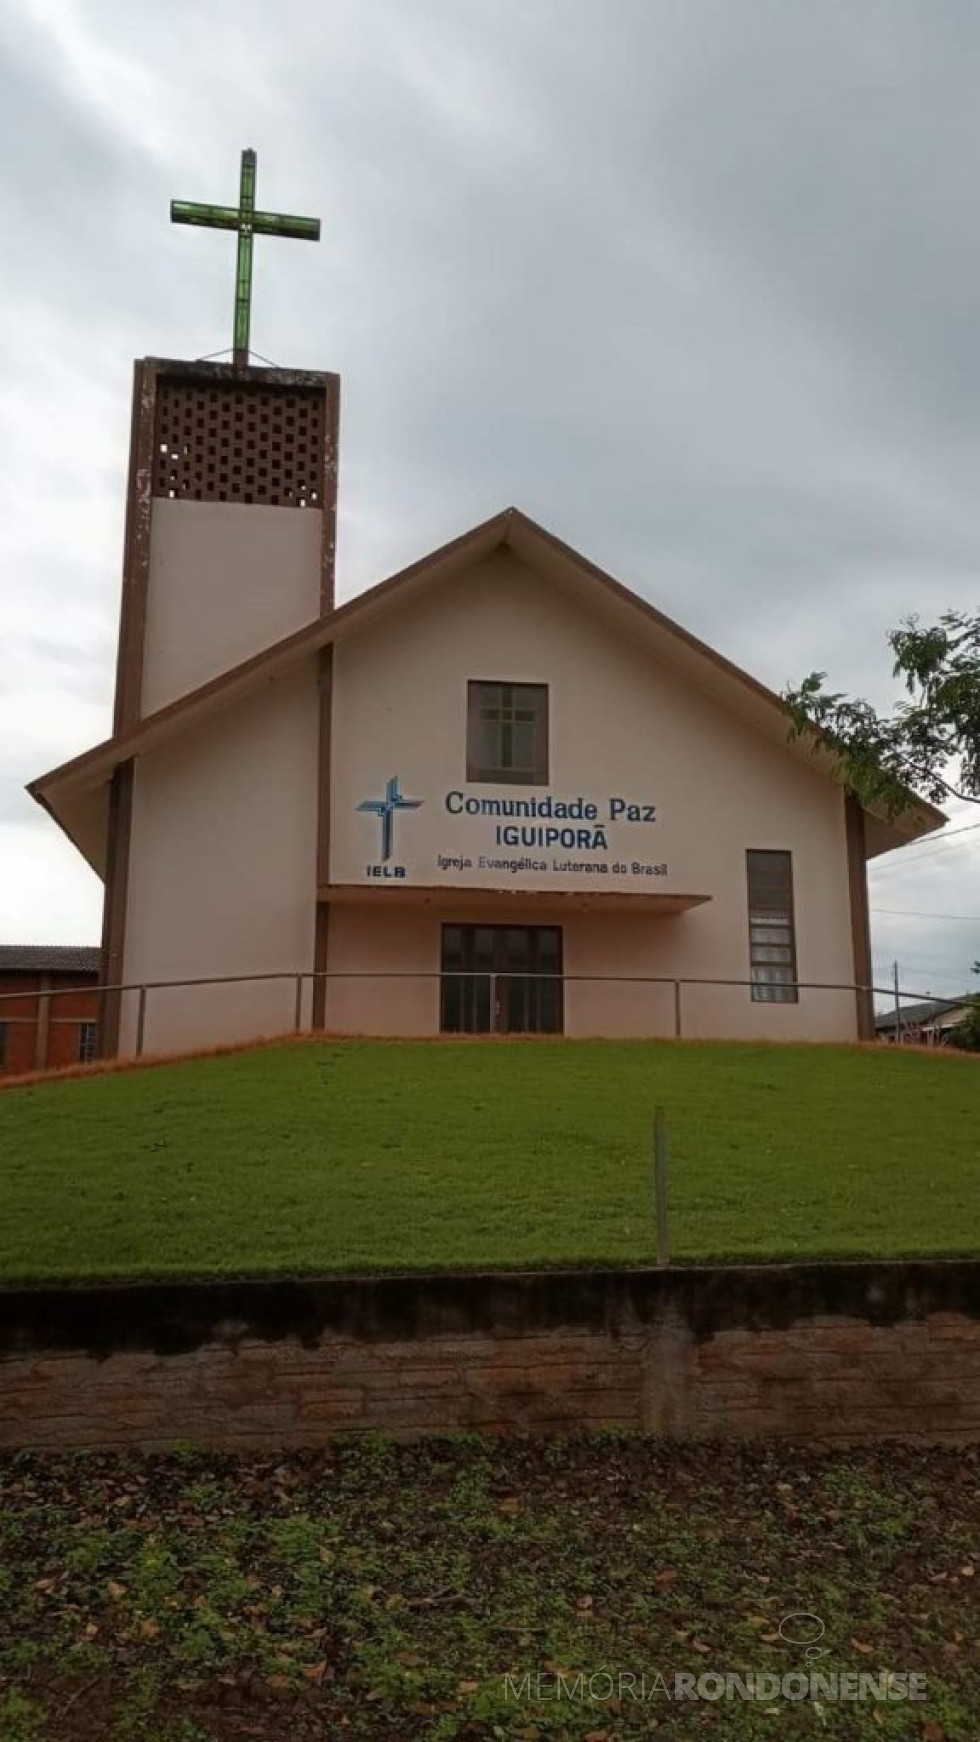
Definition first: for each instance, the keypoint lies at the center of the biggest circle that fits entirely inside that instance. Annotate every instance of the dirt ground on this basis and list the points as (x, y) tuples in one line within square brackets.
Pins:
[(471, 1589)]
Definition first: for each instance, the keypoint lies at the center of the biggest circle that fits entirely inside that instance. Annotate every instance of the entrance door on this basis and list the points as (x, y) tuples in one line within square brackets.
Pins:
[(501, 979)]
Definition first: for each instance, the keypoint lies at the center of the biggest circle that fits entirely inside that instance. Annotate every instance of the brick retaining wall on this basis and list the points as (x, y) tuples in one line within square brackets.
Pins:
[(819, 1352)]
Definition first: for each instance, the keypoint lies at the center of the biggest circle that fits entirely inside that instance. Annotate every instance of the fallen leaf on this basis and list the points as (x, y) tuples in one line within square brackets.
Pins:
[(667, 1577), (149, 1628), (699, 1645), (467, 1687), (862, 1646), (933, 1732), (315, 1672), (115, 1590)]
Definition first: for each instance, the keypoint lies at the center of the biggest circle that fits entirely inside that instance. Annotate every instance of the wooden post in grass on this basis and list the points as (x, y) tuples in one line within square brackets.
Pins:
[(660, 1183)]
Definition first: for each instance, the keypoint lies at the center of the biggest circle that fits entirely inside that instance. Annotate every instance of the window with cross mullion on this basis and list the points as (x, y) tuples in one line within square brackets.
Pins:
[(507, 733)]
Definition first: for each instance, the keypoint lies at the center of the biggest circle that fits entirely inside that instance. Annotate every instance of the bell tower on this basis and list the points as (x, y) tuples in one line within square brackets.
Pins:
[(229, 548), (230, 522)]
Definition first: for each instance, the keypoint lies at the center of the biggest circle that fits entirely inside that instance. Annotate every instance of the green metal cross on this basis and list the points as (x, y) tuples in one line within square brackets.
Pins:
[(249, 223)]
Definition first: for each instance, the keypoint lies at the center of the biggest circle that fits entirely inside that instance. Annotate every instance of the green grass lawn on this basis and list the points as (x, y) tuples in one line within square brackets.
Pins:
[(383, 1593), (330, 1156)]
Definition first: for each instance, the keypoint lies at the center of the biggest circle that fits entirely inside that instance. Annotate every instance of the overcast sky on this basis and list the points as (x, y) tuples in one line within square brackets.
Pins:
[(694, 282)]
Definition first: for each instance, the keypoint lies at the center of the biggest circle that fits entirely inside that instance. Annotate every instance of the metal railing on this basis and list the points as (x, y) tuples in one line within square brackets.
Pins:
[(303, 1000)]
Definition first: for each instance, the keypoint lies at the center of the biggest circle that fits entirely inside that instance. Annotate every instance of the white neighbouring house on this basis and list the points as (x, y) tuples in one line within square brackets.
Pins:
[(498, 791)]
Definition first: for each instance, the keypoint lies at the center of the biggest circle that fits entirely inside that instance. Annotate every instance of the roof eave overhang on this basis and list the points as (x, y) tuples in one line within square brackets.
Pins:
[(462, 898), (699, 664)]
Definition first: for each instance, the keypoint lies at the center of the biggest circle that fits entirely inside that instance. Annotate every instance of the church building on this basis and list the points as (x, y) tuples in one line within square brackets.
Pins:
[(496, 793)]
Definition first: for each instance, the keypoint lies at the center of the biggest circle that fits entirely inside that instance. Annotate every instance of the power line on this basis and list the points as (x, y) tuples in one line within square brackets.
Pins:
[(934, 846), (929, 850), (916, 913)]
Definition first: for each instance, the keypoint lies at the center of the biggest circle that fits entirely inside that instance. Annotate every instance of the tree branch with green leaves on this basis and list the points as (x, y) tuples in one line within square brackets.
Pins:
[(927, 746)]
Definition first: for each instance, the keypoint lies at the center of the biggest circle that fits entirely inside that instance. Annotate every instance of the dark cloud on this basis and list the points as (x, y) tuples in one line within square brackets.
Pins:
[(833, 150), (695, 285)]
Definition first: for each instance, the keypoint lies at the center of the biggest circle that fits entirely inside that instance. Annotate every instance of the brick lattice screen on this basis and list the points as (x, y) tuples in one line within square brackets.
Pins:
[(239, 442)]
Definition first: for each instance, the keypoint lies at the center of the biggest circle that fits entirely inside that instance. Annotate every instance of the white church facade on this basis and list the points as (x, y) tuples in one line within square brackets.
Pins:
[(496, 793)]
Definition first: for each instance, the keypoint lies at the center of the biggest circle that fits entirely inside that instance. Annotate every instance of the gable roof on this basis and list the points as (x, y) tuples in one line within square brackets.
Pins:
[(915, 1015), (75, 792), (50, 958)]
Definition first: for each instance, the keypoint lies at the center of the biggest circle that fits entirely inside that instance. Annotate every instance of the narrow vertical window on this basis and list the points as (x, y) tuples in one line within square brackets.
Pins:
[(772, 931), (507, 733), (87, 1035)]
